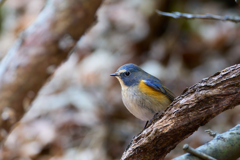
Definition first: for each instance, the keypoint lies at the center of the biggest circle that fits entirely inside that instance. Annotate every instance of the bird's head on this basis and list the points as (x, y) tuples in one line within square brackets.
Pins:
[(129, 75)]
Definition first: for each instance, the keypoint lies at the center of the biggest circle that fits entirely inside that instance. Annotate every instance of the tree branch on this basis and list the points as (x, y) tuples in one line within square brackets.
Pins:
[(194, 108), (223, 146), (44, 44), (208, 16), (196, 153)]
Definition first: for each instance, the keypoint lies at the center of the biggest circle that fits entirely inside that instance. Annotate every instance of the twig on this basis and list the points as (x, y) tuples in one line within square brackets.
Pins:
[(211, 133), (196, 153), (208, 16)]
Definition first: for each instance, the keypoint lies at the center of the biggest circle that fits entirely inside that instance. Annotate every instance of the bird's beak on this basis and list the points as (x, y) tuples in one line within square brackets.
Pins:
[(114, 74)]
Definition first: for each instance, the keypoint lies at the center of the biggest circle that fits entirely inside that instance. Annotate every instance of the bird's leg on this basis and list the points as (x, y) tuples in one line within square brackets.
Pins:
[(152, 120), (145, 125), (156, 115)]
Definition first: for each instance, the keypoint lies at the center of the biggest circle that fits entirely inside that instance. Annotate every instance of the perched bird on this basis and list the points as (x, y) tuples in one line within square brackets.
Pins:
[(143, 94)]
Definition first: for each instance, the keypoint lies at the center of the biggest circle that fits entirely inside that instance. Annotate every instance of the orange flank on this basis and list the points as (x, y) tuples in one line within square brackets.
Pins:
[(150, 91)]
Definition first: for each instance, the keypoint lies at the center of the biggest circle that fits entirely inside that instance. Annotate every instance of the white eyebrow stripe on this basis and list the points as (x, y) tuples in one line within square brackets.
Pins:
[(121, 71)]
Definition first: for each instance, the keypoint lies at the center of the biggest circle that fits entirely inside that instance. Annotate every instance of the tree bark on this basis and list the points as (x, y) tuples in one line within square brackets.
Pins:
[(45, 44), (194, 108)]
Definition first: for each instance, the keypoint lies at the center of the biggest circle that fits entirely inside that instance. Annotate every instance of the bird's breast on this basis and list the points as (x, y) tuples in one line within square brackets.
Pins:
[(141, 104)]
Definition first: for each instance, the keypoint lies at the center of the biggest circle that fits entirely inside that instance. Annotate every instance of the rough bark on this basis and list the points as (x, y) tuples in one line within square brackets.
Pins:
[(223, 146), (194, 108), (45, 44)]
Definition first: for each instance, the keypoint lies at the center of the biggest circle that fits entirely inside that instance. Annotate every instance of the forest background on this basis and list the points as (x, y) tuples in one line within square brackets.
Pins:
[(78, 113)]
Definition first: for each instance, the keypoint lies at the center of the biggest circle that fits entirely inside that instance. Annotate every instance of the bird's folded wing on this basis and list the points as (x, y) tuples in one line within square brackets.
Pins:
[(159, 87)]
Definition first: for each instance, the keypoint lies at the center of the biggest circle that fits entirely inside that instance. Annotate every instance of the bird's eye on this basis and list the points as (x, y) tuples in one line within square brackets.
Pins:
[(127, 73)]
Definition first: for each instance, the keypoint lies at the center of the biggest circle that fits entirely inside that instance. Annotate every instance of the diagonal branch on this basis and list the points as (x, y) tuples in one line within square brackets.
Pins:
[(194, 108), (44, 44), (208, 16)]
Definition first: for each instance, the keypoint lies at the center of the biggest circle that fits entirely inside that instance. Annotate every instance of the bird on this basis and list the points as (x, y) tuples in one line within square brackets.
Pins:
[(142, 94)]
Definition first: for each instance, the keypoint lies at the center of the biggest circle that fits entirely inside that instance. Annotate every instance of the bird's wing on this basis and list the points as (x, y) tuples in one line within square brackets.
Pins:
[(159, 87)]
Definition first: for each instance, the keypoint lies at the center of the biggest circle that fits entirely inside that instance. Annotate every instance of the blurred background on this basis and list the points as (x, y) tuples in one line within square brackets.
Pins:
[(79, 114)]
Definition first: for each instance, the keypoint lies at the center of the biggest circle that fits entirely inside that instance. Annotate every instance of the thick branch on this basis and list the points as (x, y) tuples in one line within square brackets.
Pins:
[(178, 15), (194, 108), (223, 146), (44, 44)]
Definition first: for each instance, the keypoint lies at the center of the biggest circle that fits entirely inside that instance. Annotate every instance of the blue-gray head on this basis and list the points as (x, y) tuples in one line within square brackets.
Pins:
[(129, 75)]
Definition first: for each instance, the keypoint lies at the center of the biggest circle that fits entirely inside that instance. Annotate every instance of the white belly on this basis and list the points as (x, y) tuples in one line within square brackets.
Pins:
[(135, 104)]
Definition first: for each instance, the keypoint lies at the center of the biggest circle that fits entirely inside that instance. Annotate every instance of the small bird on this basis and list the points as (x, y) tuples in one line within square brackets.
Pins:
[(143, 94)]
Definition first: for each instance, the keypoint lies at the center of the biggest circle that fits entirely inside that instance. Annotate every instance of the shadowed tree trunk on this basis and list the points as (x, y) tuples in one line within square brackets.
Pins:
[(45, 44)]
